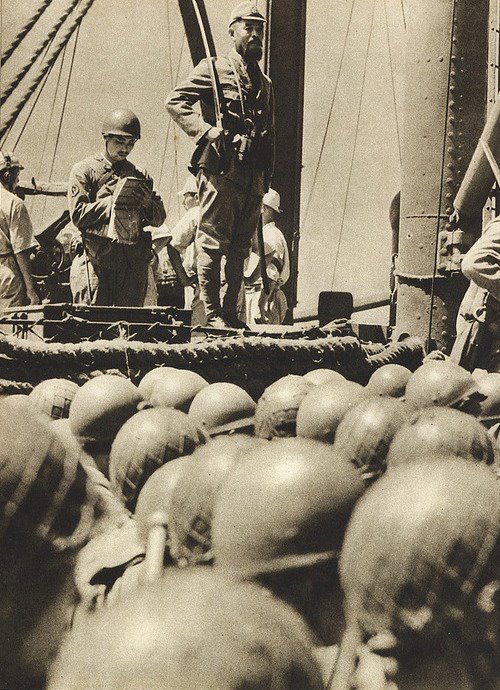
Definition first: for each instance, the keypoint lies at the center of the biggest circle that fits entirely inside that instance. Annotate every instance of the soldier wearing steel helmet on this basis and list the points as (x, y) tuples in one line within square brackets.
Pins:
[(46, 515), (191, 630), (233, 163), (280, 518), (16, 239), (420, 568), (118, 271)]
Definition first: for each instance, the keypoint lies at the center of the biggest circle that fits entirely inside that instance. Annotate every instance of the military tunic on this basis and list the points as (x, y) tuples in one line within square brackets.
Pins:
[(233, 178), (16, 236), (121, 269), (478, 324)]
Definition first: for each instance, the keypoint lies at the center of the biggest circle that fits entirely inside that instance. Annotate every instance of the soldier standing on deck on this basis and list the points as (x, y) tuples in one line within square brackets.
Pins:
[(233, 164), (16, 239), (121, 269)]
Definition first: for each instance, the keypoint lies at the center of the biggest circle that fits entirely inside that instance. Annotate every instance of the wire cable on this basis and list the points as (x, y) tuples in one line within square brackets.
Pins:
[(393, 83), (403, 13), (170, 119), (330, 112), (176, 138), (52, 108), (351, 167), (61, 117), (24, 31)]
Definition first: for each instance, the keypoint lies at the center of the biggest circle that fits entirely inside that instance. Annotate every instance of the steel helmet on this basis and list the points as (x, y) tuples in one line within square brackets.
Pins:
[(18, 402), (123, 123), (365, 433), (191, 629), (440, 431), (156, 495), (176, 388), (149, 379), (101, 406), (54, 397), (276, 411), (8, 161), (282, 507), (322, 409), (196, 494), (438, 383), (418, 547), (144, 443), (390, 379), (222, 404), (43, 488), (319, 376), (484, 401)]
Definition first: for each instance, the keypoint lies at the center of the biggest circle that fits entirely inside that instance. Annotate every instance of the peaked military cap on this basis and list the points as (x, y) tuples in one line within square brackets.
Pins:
[(246, 11)]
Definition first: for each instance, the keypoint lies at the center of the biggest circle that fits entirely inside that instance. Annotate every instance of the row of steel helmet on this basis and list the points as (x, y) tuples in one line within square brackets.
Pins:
[(178, 534)]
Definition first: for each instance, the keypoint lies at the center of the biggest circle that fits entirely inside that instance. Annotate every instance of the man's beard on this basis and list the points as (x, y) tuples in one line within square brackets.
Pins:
[(253, 52)]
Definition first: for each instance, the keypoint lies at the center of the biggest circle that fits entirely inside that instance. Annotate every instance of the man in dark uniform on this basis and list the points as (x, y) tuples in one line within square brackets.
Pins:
[(121, 268), (234, 163)]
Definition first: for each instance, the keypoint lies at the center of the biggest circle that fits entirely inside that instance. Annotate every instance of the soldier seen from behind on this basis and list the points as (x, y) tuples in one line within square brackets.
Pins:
[(46, 515), (420, 566), (175, 249), (16, 239), (191, 629)]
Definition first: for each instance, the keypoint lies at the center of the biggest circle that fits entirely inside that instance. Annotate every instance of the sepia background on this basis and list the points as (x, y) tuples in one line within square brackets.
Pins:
[(129, 53)]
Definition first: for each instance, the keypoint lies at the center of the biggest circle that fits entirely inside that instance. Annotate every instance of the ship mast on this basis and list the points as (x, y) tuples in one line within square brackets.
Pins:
[(285, 62)]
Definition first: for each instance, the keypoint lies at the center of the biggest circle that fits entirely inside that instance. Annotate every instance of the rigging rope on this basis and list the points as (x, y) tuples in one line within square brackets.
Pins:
[(30, 112), (36, 99), (25, 29), (351, 167), (51, 58), (63, 109), (403, 12), (6, 92), (393, 83), (52, 107), (332, 103), (441, 183), (170, 119), (176, 138)]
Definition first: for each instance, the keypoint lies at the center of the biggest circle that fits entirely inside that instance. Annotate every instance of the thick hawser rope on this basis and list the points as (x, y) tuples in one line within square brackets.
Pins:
[(251, 362)]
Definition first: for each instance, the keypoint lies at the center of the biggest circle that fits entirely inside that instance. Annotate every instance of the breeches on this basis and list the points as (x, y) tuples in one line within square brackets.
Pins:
[(228, 215), (121, 270), (228, 220)]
